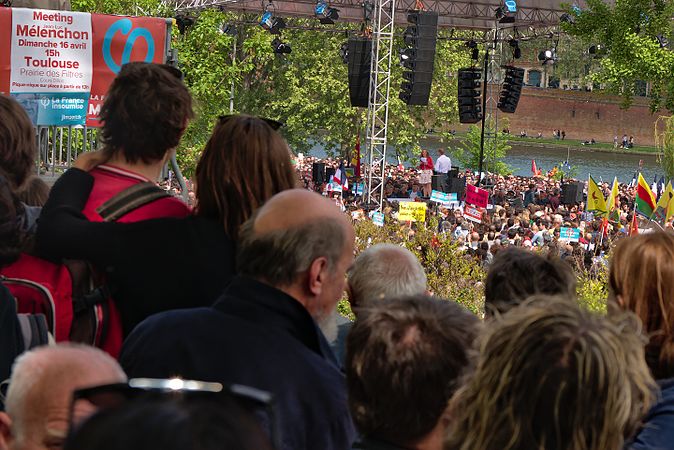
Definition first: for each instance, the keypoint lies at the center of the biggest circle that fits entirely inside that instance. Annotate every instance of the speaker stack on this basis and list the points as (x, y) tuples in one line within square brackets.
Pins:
[(360, 55), (572, 193), (419, 57), (318, 173)]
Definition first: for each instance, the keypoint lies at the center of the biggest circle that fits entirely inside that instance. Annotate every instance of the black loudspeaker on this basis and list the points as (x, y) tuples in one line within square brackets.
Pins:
[(454, 173), (318, 173), (457, 185), (572, 193), (511, 90), (469, 86), (418, 58), (360, 55), (439, 182)]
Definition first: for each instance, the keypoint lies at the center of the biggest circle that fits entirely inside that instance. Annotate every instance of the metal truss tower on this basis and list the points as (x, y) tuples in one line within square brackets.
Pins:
[(378, 108), (494, 79)]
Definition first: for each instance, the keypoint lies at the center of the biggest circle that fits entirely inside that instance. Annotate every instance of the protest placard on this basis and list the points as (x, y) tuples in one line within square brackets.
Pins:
[(412, 211), (476, 196)]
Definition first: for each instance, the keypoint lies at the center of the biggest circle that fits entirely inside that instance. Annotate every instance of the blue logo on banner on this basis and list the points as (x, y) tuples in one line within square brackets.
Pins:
[(56, 109), (378, 219), (124, 26)]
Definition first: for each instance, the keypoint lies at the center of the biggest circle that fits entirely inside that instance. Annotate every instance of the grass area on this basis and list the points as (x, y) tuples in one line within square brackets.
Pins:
[(603, 146)]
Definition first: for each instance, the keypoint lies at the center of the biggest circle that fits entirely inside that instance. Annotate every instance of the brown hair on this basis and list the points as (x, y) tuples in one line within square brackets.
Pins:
[(642, 276), (17, 142), (145, 112), (245, 163), (552, 375), (404, 361), (34, 192)]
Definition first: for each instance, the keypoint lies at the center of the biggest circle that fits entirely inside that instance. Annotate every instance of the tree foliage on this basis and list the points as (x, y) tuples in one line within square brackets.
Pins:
[(495, 148), (633, 34)]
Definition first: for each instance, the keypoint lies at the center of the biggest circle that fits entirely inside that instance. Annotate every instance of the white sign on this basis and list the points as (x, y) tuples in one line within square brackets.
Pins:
[(378, 219), (51, 51)]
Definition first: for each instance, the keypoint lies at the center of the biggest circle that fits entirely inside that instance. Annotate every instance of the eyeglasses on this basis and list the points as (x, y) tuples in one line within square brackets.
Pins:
[(112, 396), (274, 124)]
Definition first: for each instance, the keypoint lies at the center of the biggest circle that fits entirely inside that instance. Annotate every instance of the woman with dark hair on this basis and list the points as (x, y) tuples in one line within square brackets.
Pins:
[(161, 264), (641, 280)]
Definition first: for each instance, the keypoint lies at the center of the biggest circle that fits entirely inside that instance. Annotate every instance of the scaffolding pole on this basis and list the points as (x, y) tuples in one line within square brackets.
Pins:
[(378, 107)]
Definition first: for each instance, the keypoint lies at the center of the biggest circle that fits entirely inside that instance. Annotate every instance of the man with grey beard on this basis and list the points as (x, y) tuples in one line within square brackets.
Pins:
[(264, 331)]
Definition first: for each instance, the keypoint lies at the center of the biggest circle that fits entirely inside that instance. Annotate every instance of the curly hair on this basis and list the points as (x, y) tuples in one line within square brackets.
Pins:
[(145, 112), (17, 142), (554, 376)]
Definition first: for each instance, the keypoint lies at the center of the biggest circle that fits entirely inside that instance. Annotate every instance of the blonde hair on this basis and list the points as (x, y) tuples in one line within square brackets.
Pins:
[(641, 280), (553, 376)]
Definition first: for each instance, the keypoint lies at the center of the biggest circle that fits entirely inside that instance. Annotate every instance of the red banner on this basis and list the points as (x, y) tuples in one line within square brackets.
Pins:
[(476, 196), (116, 41), (5, 48)]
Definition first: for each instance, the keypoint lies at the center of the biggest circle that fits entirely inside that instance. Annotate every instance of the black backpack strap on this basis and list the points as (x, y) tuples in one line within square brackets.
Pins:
[(34, 330), (130, 199)]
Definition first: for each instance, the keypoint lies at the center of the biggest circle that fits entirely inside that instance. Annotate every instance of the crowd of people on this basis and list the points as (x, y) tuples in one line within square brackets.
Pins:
[(215, 325)]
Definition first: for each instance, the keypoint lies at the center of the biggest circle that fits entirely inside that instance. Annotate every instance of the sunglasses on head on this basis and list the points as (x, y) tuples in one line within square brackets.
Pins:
[(110, 396), (274, 124)]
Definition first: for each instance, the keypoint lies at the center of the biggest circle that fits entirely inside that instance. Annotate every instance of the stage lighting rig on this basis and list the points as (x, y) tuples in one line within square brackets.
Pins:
[(325, 13), (271, 23), (515, 45), (474, 51), (547, 57), (280, 47)]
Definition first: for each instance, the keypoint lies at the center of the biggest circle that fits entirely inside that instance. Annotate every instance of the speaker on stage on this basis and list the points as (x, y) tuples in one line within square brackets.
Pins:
[(439, 182), (572, 193), (318, 173), (457, 185), (360, 55)]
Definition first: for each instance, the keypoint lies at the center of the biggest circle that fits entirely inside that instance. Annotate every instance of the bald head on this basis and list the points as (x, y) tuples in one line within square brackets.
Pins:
[(42, 384), (301, 243), (385, 271), (293, 208)]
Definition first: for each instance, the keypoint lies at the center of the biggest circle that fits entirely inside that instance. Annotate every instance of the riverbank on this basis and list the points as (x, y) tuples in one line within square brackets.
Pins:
[(578, 146)]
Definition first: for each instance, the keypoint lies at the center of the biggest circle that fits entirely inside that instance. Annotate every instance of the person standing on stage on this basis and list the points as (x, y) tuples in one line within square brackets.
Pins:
[(426, 166), (442, 166)]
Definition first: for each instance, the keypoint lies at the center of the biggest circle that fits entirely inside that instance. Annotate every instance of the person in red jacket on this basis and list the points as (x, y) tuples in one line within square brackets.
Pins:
[(426, 166), (144, 116)]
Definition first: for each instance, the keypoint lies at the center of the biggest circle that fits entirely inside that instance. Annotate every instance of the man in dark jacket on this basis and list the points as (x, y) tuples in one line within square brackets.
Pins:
[(263, 331)]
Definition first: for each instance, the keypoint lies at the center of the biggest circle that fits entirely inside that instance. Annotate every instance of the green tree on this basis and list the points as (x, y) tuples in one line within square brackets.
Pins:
[(633, 34), (495, 150), (665, 140)]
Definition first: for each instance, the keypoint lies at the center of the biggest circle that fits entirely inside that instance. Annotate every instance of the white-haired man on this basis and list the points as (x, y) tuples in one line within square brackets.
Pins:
[(40, 392), (381, 271)]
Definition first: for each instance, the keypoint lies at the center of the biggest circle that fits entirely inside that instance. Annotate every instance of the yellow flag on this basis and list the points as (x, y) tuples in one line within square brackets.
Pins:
[(669, 192), (612, 202), (665, 207), (595, 199)]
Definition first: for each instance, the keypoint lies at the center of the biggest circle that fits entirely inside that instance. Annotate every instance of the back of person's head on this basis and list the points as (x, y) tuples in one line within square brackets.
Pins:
[(245, 163), (34, 192), (42, 384), (552, 375), (17, 142), (517, 274), (170, 423), (384, 271), (641, 280), (12, 237), (145, 112), (404, 360)]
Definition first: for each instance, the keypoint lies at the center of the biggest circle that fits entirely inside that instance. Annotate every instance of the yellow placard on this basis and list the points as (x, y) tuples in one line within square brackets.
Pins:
[(412, 211)]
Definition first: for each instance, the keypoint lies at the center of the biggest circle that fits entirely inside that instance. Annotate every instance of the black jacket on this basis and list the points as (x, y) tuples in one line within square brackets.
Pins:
[(11, 340), (257, 336), (153, 266)]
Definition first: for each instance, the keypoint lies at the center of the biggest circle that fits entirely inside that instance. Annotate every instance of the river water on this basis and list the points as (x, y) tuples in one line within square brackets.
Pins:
[(601, 165)]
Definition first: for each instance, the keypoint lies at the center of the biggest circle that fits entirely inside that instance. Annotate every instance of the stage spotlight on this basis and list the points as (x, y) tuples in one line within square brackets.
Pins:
[(228, 29), (280, 47), (567, 18), (344, 52), (662, 40), (184, 23), (517, 52), (475, 52), (547, 56), (272, 24), (326, 14)]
